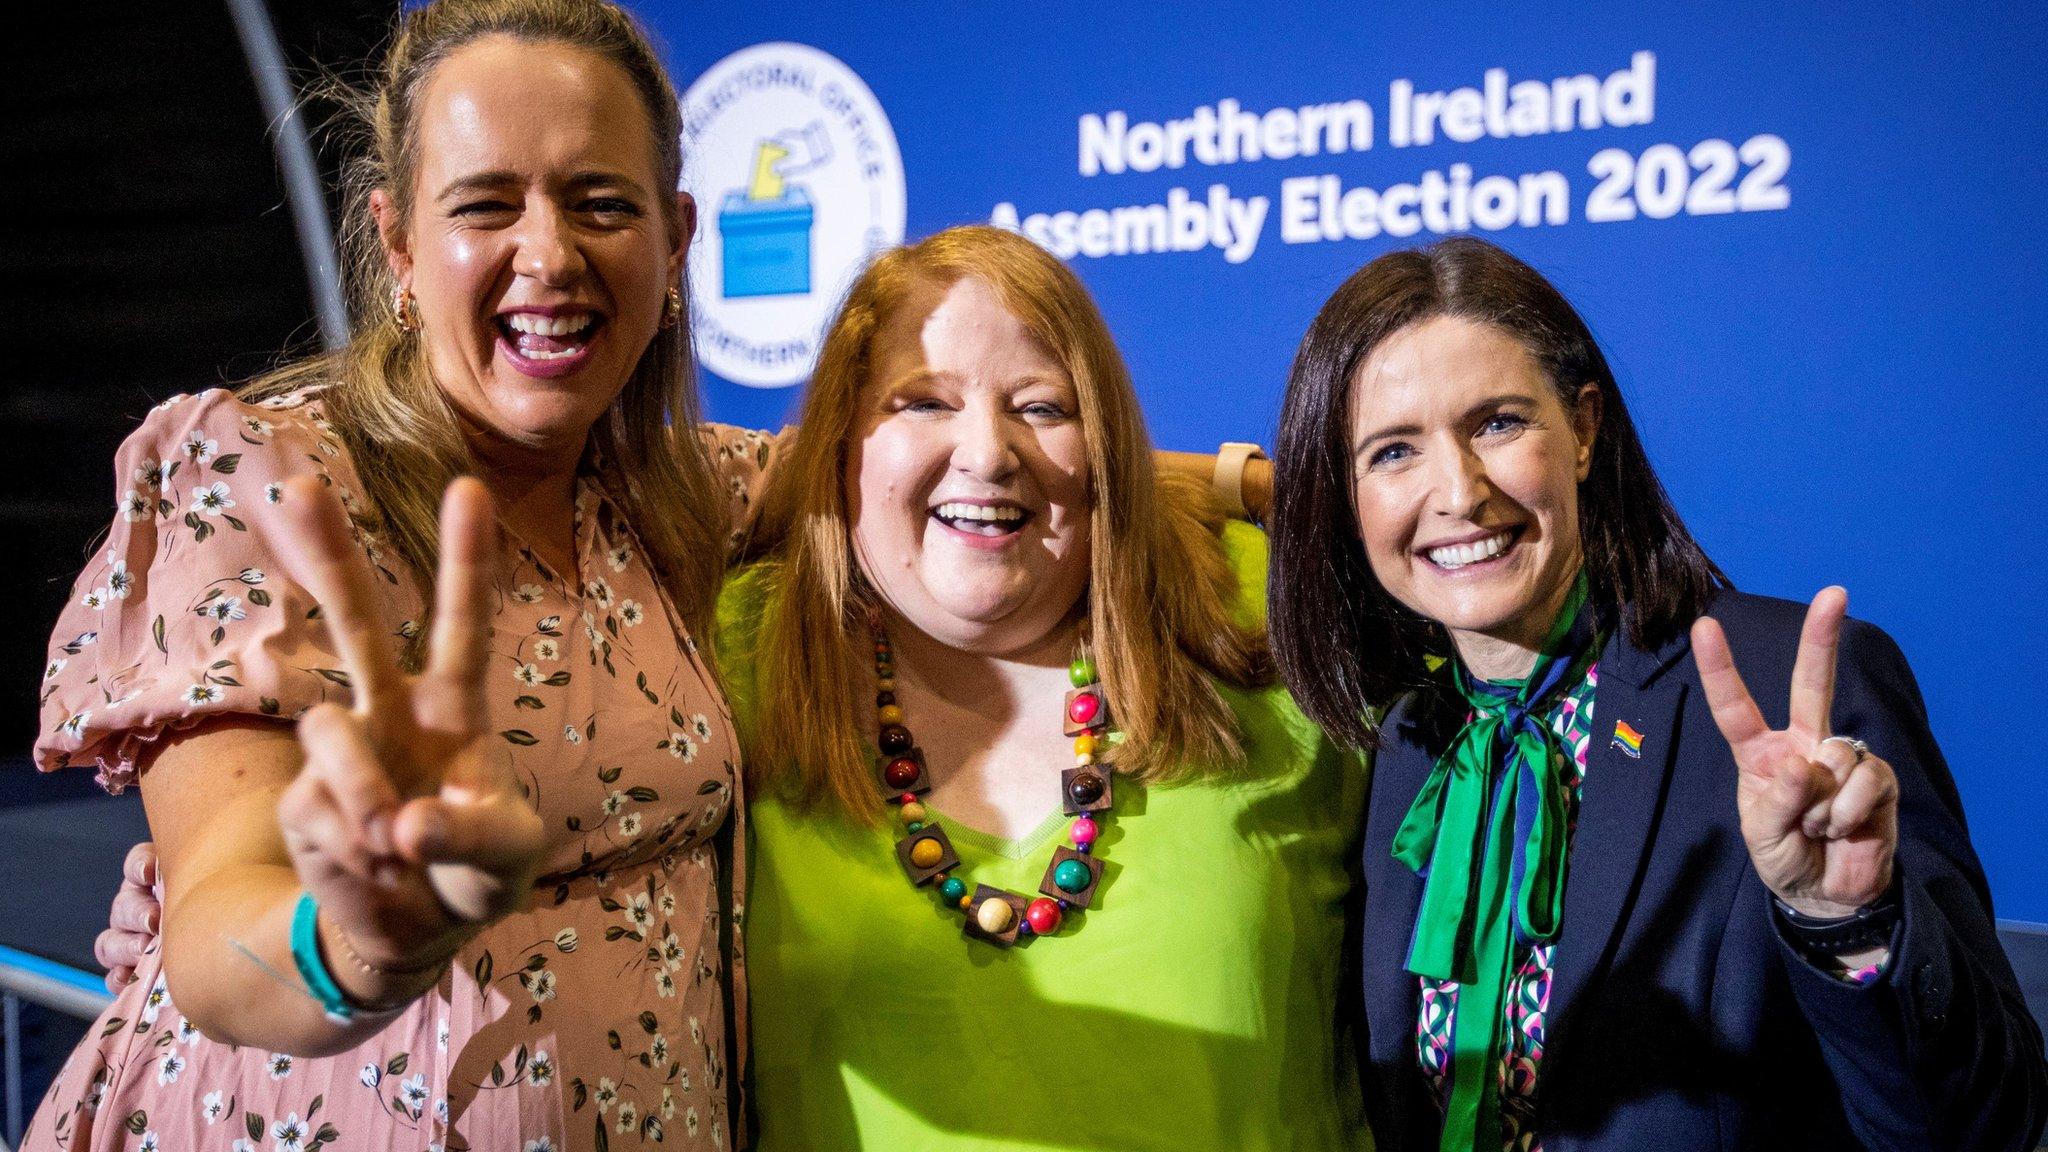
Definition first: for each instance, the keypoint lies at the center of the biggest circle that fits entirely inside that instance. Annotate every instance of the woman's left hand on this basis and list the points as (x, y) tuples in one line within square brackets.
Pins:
[(1821, 817)]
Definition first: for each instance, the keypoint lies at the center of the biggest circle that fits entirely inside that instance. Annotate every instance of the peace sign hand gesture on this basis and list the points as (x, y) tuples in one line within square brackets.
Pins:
[(1820, 815), (409, 837)]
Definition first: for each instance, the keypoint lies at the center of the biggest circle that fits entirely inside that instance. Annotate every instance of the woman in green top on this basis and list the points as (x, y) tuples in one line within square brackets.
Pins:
[(976, 530), (967, 412)]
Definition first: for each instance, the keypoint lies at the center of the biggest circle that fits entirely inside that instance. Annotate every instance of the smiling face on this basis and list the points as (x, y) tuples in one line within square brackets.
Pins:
[(537, 249), (1465, 483), (968, 473)]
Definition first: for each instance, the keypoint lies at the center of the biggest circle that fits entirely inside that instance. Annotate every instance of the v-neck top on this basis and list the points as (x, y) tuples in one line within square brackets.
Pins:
[(1039, 838), (1194, 1006)]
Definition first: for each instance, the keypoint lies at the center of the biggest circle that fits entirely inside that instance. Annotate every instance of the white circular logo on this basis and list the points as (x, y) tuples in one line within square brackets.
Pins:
[(798, 182)]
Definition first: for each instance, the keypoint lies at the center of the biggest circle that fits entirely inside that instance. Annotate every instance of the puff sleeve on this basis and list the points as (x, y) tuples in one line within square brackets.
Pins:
[(187, 612)]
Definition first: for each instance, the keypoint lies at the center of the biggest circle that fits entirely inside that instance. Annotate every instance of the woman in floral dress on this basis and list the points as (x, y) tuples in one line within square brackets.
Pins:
[(516, 810)]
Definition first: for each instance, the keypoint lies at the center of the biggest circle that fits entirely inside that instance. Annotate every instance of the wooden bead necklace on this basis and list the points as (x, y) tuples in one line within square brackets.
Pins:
[(1074, 873)]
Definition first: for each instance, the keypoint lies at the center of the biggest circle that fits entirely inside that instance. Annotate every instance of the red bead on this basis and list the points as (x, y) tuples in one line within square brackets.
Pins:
[(901, 772), (1084, 831), (1044, 916), (1084, 708)]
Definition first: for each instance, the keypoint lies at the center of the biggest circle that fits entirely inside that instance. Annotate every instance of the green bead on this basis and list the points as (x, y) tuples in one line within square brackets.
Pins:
[(953, 889), (1081, 672), (1072, 876), (914, 826)]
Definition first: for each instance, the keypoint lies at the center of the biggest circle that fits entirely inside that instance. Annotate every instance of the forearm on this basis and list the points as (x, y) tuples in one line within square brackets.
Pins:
[(1973, 1047), (1961, 1028), (1257, 482), (1194, 465), (230, 966), (228, 963), (764, 514), (1938, 1051), (230, 893)]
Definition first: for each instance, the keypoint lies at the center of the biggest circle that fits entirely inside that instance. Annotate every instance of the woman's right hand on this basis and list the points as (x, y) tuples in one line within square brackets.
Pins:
[(408, 834)]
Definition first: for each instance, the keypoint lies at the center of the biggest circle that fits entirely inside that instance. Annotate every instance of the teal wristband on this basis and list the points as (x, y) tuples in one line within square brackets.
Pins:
[(312, 969)]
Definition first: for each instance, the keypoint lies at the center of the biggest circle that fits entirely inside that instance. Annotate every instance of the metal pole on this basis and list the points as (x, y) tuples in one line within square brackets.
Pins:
[(295, 162)]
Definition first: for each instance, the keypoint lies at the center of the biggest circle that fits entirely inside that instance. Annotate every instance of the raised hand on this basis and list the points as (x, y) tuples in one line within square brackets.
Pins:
[(407, 834), (1821, 817)]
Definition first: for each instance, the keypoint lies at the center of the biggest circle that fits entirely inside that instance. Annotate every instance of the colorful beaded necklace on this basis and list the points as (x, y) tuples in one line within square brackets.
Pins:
[(1074, 873)]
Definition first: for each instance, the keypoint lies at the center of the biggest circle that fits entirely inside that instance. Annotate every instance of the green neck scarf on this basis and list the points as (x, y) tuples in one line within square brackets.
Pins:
[(1487, 832)]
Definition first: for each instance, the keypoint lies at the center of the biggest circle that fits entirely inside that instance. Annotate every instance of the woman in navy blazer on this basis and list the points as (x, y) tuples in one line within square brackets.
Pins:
[(1688, 912)]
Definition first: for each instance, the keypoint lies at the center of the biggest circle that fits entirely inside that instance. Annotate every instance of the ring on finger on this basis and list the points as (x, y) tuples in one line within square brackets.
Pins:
[(1857, 746)]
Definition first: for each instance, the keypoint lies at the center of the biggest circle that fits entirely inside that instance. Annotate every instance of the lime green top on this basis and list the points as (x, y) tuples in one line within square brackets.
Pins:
[(1193, 1008)]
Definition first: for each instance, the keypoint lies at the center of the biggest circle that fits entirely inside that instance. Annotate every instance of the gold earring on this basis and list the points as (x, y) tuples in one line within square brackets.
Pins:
[(404, 310), (672, 309)]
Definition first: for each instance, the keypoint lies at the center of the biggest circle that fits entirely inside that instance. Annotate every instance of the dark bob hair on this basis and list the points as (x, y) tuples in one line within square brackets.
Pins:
[(1343, 644)]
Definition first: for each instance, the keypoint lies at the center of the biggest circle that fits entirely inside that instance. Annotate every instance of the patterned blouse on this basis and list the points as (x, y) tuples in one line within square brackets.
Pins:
[(599, 1017), (1528, 993), (1527, 1005)]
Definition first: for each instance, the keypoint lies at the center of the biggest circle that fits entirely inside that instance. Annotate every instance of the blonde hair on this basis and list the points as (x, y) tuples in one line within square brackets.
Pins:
[(378, 390), (1160, 587)]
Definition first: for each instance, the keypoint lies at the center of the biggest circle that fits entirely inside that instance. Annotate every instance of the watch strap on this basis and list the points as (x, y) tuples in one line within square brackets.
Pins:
[(1228, 479)]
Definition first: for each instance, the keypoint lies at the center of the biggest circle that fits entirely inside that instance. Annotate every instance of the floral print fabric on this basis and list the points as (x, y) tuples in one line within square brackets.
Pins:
[(598, 1018)]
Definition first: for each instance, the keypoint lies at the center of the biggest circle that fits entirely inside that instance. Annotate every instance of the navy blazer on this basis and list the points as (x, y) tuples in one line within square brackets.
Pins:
[(1679, 1018)]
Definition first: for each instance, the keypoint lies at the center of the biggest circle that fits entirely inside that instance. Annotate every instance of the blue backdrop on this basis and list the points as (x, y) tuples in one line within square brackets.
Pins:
[(1839, 377)]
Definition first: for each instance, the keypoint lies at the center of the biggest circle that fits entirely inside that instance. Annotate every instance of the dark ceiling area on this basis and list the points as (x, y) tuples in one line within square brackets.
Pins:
[(150, 249)]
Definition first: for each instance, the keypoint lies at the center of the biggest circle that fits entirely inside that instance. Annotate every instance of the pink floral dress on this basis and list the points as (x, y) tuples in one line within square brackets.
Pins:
[(597, 1019)]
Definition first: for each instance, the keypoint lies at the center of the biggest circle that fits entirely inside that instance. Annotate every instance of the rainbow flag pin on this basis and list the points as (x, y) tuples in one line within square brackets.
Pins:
[(1628, 740)]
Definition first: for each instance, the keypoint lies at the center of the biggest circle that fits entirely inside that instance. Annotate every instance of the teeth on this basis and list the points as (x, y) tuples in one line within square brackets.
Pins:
[(1001, 513), (538, 325), (1459, 555), (564, 354)]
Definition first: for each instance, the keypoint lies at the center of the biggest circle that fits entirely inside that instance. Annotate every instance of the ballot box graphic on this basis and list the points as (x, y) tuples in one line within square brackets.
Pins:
[(764, 229), (767, 243), (798, 183)]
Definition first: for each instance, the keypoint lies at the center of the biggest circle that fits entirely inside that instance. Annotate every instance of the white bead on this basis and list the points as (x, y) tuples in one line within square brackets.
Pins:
[(994, 915)]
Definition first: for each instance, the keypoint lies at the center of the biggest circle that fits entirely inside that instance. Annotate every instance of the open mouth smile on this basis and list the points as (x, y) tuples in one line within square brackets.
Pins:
[(990, 521), (542, 344), (1486, 551)]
